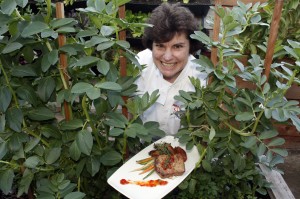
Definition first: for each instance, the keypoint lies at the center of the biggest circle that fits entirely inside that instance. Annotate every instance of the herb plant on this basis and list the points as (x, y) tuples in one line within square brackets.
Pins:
[(62, 130), (234, 127)]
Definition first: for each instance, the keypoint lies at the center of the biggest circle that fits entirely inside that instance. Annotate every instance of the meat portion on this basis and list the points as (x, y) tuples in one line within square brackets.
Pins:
[(169, 165)]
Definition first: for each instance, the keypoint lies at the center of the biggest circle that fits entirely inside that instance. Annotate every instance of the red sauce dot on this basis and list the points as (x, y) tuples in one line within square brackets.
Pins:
[(123, 181)]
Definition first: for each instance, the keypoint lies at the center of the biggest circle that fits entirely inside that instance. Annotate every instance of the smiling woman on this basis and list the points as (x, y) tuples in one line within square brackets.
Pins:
[(168, 60)]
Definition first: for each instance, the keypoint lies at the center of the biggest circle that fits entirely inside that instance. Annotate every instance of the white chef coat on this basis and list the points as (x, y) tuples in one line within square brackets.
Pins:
[(164, 108)]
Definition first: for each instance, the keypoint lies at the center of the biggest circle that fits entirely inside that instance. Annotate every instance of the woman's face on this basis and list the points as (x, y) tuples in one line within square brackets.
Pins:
[(171, 57)]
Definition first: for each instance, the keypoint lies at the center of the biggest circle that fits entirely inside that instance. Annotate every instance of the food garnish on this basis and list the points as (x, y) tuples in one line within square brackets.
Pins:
[(148, 183)]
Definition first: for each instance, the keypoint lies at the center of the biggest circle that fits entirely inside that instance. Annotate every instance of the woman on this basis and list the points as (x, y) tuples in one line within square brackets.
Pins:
[(168, 62)]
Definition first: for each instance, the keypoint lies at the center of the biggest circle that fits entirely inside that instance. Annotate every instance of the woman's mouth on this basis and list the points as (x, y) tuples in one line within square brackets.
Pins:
[(168, 65)]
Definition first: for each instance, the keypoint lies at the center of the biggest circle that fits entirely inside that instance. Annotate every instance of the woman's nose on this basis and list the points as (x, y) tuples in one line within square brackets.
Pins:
[(167, 55)]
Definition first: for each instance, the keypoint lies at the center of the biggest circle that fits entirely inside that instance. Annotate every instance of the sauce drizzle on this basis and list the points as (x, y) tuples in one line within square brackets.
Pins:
[(148, 183)]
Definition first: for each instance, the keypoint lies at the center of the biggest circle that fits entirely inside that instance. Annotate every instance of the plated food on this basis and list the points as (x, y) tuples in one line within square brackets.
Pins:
[(131, 183), (167, 161)]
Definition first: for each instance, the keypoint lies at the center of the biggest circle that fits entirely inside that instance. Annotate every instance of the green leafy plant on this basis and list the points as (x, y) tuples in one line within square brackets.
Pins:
[(234, 128), (62, 130), (137, 21), (253, 40)]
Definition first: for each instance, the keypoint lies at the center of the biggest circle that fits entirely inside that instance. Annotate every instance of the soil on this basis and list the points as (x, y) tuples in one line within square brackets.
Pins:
[(291, 169)]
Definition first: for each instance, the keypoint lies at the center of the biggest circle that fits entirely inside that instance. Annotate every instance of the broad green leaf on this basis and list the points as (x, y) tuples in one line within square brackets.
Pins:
[(201, 36), (101, 106), (124, 44), (52, 155), (133, 129), (81, 87), (115, 123), (52, 57), (95, 40), (46, 88), (15, 143), (244, 116), (87, 33), (64, 184), (103, 66), (71, 125), (192, 186), (23, 71), (8, 6), (266, 88), (75, 195), (2, 123), (49, 33), (32, 161), (34, 27), (212, 133), (41, 114), (56, 23), (107, 30), (87, 60), (5, 98), (276, 142), (116, 132), (25, 182), (10, 47), (93, 165), (261, 149), (105, 45), (6, 180), (184, 139), (109, 86), (185, 95), (72, 49), (206, 165), (50, 131), (14, 118), (268, 134), (26, 93), (255, 19), (31, 144), (276, 160), (111, 158), (68, 189), (3, 149), (249, 142), (282, 152), (84, 141), (74, 151), (93, 93)]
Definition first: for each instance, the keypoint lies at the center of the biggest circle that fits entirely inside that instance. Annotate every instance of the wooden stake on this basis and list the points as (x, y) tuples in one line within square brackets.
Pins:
[(273, 36), (63, 57), (123, 63)]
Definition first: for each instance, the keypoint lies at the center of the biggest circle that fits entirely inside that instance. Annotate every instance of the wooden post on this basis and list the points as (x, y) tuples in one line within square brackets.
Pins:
[(63, 57), (273, 36), (122, 36)]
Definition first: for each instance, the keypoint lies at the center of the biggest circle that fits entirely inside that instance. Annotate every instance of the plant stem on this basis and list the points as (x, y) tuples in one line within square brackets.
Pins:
[(201, 158), (37, 136), (237, 131), (124, 151), (94, 130)]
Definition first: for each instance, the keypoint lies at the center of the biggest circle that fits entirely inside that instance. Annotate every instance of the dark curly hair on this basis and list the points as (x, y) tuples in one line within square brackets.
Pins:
[(167, 20)]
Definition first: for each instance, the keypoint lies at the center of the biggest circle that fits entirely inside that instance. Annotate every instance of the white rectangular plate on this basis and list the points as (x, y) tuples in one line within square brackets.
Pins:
[(133, 191)]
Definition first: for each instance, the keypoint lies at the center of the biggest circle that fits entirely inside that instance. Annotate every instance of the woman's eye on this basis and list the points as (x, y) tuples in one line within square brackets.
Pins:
[(178, 46)]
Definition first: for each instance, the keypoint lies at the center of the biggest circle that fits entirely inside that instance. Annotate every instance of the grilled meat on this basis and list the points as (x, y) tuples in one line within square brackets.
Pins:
[(169, 165)]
